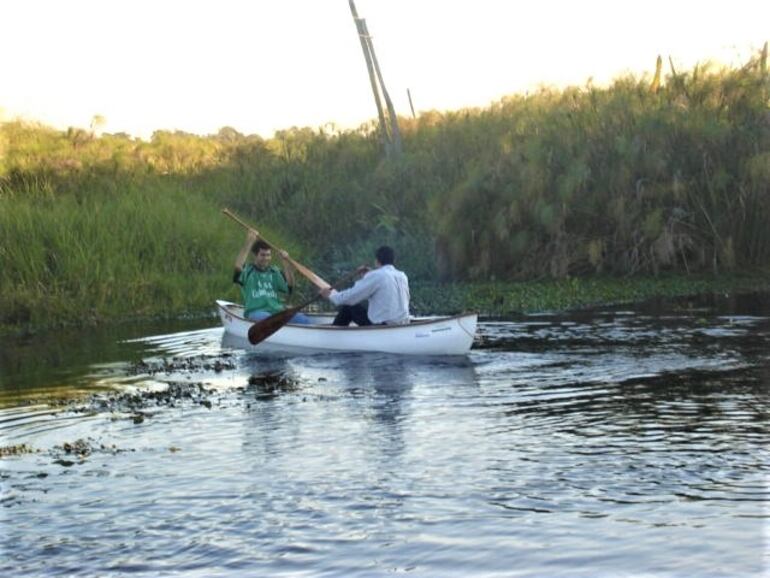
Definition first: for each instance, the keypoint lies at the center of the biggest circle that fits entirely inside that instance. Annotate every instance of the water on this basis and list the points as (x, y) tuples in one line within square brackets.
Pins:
[(610, 443)]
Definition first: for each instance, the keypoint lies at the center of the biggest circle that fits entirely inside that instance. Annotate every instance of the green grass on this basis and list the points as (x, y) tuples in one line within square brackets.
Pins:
[(140, 253)]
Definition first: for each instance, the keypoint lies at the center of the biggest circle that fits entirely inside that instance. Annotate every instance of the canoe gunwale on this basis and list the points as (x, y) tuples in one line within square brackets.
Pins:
[(229, 306)]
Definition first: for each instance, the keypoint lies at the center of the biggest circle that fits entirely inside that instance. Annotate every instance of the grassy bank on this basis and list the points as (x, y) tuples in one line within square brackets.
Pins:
[(496, 299), (663, 182), (502, 299), (100, 257)]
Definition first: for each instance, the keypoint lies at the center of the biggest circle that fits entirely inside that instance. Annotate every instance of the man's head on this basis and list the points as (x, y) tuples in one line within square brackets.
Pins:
[(262, 254), (384, 255)]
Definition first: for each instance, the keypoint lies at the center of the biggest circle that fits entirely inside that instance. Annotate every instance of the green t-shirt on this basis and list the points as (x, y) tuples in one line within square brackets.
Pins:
[(260, 289)]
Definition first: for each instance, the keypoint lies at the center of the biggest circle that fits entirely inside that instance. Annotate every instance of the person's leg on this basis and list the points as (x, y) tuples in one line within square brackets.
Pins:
[(300, 319), (258, 315), (355, 313), (360, 316), (344, 316)]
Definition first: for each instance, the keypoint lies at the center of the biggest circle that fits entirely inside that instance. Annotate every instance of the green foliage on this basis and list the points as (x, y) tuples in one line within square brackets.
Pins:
[(627, 180), (622, 180), (74, 259), (499, 299)]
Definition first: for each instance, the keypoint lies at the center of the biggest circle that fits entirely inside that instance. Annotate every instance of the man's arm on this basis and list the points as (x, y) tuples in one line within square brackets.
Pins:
[(361, 271), (288, 270), (240, 260), (363, 289)]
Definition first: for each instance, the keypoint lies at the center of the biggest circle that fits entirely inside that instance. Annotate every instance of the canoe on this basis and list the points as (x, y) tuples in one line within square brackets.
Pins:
[(422, 336)]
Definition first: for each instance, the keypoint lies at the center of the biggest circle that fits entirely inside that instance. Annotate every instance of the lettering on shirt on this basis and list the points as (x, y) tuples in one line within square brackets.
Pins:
[(263, 288)]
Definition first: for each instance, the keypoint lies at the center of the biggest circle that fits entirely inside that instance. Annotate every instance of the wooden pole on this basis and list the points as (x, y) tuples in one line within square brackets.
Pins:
[(395, 133), (411, 105), (361, 27), (655, 86)]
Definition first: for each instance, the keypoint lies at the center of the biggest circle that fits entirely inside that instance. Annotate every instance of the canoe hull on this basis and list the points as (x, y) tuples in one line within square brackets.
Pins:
[(428, 336)]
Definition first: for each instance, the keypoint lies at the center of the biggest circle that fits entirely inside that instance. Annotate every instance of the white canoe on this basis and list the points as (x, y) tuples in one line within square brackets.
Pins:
[(423, 336)]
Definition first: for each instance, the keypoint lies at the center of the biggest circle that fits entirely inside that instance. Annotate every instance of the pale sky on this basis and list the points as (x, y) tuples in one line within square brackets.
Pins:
[(265, 65)]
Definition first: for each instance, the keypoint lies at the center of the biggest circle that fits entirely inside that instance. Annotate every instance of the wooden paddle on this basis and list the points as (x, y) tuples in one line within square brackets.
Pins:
[(304, 271), (263, 329)]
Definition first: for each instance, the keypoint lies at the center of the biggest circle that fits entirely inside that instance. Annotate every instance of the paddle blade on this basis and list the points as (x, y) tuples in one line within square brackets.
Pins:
[(261, 330)]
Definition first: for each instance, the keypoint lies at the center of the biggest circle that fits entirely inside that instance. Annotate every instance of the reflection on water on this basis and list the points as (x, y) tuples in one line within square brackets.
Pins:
[(617, 442), (68, 361)]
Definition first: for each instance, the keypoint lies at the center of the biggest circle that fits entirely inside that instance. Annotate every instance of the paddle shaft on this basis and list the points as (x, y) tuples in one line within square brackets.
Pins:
[(304, 271)]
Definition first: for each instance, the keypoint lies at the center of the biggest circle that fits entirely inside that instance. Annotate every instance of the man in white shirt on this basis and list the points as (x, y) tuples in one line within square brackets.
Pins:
[(385, 287)]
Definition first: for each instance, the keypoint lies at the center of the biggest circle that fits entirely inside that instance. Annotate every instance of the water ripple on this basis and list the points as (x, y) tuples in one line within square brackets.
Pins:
[(609, 443)]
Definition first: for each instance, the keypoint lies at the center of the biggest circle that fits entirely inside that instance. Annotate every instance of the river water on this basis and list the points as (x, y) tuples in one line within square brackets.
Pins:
[(616, 442)]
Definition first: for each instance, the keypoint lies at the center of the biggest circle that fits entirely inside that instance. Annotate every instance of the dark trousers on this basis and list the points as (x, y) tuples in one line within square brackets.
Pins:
[(354, 313)]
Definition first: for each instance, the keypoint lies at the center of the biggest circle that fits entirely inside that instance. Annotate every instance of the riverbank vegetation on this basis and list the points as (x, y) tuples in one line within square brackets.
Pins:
[(646, 178), (501, 299)]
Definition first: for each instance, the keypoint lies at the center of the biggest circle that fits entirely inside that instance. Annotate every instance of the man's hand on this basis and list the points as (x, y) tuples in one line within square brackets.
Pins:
[(326, 292), (284, 254), (251, 236)]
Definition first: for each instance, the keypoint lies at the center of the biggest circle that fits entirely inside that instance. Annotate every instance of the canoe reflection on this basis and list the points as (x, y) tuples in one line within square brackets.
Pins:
[(310, 412)]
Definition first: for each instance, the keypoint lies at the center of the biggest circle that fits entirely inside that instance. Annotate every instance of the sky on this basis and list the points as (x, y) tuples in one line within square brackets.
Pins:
[(266, 65)]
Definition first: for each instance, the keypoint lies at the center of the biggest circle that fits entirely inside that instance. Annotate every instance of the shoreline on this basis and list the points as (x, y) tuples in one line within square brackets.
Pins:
[(496, 299), (504, 299)]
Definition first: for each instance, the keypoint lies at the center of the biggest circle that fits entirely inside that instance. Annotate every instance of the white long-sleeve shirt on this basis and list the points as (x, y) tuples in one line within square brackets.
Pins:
[(387, 290)]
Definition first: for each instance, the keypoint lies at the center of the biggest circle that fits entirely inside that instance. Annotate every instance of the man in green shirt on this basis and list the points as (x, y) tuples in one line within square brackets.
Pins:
[(263, 284)]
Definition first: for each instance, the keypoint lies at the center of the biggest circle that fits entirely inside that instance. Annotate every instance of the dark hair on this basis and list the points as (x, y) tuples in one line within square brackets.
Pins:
[(259, 245), (385, 255)]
